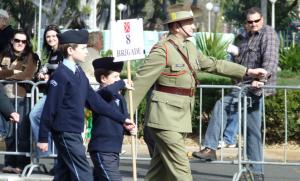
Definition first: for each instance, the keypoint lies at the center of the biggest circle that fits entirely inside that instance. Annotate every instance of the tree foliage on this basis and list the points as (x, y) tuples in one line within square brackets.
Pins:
[(22, 12), (284, 11), (60, 12)]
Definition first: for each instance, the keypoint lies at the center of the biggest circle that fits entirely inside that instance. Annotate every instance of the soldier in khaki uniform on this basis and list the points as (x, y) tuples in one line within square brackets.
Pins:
[(171, 67)]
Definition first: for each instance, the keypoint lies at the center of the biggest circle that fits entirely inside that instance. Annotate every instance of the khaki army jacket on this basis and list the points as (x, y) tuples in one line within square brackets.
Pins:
[(165, 66)]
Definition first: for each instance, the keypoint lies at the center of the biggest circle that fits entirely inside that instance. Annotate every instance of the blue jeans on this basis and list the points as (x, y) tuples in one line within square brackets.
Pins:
[(231, 129), (254, 117), (35, 116), (4, 127)]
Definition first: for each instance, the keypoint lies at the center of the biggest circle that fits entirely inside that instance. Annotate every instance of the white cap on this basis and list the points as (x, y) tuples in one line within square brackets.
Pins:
[(4, 13), (233, 49)]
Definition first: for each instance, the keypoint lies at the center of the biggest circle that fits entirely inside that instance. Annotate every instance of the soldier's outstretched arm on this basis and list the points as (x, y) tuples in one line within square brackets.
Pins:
[(229, 69)]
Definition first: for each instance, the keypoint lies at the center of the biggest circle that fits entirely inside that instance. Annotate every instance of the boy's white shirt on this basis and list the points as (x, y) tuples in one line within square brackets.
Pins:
[(70, 64)]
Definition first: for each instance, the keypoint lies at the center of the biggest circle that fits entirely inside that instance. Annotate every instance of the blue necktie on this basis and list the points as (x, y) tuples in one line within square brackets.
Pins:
[(77, 72)]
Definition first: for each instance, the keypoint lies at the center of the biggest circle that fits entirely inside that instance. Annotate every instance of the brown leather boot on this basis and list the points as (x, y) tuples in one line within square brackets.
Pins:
[(206, 154)]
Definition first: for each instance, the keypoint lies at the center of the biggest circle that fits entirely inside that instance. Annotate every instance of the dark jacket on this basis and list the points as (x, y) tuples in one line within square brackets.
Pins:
[(6, 35), (107, 134), (55, 58), (6, 108), (17, 68), (64, 108)]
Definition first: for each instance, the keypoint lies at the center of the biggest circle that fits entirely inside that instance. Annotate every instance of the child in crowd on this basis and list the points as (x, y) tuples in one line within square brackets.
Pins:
[(107, 134), (68, 93)]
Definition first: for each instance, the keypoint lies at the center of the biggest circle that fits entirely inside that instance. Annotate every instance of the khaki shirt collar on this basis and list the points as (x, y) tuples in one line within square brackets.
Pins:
[(177, 40)]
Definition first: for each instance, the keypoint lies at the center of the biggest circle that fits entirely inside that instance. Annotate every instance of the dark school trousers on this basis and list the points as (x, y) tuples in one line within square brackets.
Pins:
[(106, 166), (72, 163)]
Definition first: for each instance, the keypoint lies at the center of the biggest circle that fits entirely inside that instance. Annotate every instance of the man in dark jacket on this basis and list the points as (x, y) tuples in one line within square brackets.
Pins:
[(6, 31), (6, 111)]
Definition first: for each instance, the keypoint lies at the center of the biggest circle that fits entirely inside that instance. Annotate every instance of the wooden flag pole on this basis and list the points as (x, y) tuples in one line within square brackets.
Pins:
[(133, 137)]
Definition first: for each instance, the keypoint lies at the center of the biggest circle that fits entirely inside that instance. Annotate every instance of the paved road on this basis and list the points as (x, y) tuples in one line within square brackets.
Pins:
[(200, 171), (218, 172)]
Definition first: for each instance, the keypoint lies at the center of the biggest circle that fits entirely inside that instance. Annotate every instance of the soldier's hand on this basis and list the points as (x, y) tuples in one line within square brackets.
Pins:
[(257, 73), (14, 117), (257, 84), (42, 146)]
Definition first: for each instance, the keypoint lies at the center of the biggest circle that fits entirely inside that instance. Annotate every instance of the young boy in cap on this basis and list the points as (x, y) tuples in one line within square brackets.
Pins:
[(107, 134), (63, 114)]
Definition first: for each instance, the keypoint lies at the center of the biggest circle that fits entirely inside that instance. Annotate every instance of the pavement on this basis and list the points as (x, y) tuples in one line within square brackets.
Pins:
[(200, 171)]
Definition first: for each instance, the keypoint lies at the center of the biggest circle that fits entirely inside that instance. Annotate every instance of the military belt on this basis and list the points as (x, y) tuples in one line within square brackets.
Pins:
[(176, 90)]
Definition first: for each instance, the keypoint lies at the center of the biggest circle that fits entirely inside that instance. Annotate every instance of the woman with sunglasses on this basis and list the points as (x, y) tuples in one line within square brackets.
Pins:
[(54, 58), (18, 63)]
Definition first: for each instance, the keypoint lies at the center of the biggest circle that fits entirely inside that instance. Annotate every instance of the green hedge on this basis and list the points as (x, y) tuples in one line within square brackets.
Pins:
[(275, 117)]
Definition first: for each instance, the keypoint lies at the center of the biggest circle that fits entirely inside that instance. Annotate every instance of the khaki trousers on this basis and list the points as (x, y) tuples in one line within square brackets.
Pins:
[(170, 161)]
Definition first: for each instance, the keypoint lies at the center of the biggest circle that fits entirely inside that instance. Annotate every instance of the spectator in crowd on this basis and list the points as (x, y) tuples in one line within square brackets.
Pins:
[(259, 49), (231, 124), (54, 59), (6, 31), (6, 107), (51, 48), (172, 67), (107, 134), (18, 62), (68, 93), (94, 46), (7, 112)]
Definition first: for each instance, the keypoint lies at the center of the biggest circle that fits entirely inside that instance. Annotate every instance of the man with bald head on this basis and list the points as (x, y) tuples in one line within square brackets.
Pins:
[(6, 31)]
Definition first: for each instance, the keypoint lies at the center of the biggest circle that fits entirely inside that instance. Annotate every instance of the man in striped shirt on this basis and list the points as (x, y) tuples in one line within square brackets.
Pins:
[(259, 49)]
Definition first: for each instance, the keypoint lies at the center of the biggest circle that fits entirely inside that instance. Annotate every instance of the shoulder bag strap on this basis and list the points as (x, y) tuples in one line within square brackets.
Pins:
[(186, 61)]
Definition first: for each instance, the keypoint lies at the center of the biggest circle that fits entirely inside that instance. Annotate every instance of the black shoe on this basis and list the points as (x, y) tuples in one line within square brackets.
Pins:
[(206, 154), (52, 171), (258, 177)]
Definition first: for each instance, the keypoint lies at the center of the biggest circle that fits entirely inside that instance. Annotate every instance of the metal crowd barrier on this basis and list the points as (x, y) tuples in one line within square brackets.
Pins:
[(34, 161), (222, 88), (27, 96), (241, 159), (241, 152)]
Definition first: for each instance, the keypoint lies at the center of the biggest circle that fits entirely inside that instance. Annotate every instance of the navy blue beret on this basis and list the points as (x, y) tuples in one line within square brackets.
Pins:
[(107, 63), (74, 36)]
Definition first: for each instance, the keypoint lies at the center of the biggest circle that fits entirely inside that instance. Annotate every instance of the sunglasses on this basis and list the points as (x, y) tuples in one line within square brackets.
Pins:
[(254, 21), (19, 41)]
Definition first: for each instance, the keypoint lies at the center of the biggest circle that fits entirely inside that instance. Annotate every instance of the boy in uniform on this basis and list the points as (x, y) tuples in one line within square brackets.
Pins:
[(107, 134), (68, 93)]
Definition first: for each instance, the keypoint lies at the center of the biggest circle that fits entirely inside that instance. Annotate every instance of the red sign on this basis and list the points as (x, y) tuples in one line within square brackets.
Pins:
[(127, 27)]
